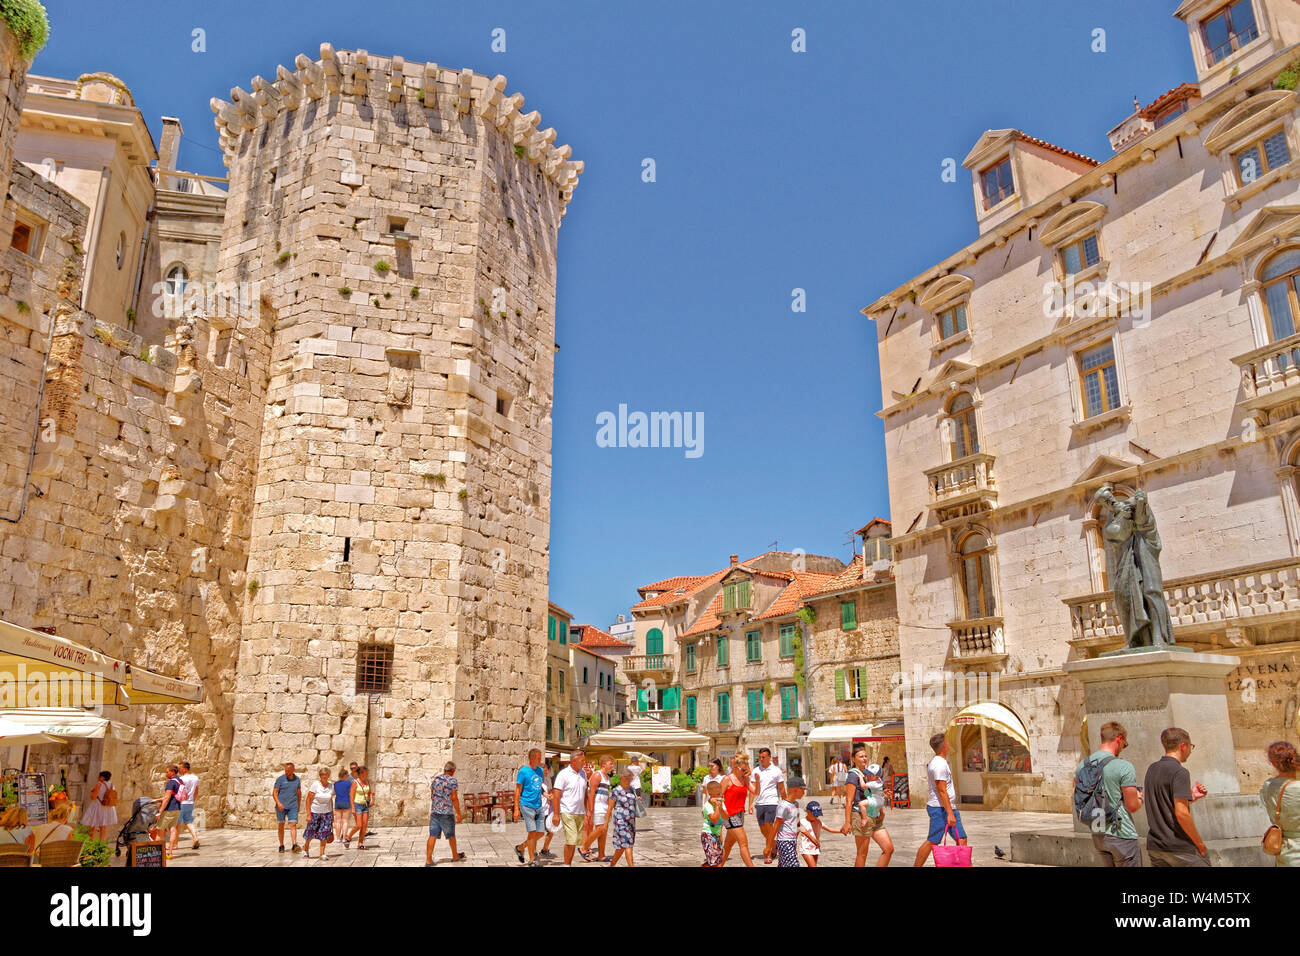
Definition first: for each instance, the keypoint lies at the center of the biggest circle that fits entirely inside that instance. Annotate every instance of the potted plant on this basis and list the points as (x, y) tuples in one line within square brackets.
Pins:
[(93, 852), (682, 789)]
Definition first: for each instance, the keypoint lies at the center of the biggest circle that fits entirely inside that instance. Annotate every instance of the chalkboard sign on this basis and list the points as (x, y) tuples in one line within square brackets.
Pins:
[(148, 853), (32, 798), (901, 796)]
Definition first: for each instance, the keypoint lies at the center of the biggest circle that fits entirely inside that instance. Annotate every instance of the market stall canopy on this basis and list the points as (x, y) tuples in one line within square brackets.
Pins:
[(29, 658), (646, 733), (20, 735), (989, 714), (68, 722)]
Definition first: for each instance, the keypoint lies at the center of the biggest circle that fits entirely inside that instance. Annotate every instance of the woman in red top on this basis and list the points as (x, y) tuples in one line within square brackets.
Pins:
[(735, 791)]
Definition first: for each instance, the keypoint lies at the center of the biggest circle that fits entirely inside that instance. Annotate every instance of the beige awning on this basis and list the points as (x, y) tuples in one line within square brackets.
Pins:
[(20, 735), (646, 733), (68, 722), (830, 733), (58, 667), (990, 714)]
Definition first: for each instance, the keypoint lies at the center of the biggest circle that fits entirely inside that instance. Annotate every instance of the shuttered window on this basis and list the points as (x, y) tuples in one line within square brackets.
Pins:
[(724, 708), (755, 700), (690, 711), (753, 646), (789, 701), (786, 641), (848, 615)]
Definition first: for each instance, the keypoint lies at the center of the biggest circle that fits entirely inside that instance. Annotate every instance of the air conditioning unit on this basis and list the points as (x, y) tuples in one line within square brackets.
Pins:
[(881, 564)]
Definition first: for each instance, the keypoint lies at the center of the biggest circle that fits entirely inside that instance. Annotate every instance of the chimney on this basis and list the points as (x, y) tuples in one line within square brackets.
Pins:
[(169, 146), (735, 560)]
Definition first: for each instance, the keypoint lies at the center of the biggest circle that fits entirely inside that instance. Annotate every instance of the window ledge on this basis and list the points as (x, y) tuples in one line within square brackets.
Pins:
[(1239, 196), (1121, 414), (1097, 270), (951, 341)]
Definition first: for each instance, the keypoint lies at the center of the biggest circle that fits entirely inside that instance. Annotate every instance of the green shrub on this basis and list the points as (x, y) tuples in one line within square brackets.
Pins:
[(683, 785), (699, 773), (1289, 78), (30, 25), (381, 267), (645, 779), (93, 852)]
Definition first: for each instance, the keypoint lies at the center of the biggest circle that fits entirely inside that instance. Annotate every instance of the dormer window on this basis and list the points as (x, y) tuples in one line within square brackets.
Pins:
[(1265, 154), (996, 183), (735, 596), (1080, 254), (1227, 30), (1171, 113)]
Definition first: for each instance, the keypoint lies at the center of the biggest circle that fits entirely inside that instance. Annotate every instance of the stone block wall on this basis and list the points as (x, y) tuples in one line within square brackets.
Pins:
[(398, 222)]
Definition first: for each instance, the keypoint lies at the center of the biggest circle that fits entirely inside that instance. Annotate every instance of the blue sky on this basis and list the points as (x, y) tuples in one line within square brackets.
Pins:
[(775, 170)]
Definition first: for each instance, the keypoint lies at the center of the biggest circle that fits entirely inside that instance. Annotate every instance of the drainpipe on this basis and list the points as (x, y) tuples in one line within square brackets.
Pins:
[(105, 176), (139, 268)]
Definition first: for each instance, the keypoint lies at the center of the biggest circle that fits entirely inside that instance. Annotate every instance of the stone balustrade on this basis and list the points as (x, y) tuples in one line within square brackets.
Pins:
[(1271, 375), (962, 487), (1226, 602), (977, 641)]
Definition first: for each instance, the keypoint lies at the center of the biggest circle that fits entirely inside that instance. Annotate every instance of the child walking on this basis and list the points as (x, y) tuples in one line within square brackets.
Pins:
[(810, 833), (714, 814), (786, 831)]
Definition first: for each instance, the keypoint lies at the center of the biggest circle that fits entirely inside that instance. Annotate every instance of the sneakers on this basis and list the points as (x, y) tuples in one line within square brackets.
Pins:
[(547, 854), (519, 852), (431, 863), (533, 863), (281, 847)]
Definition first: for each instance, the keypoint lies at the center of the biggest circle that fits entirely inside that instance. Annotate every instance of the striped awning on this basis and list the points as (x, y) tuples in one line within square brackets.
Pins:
[(647, 733), (990, 714)]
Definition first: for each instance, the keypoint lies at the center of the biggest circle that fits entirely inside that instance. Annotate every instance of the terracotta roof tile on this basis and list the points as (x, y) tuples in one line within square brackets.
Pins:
[(708, 621), (593, 636), (793, 594), (1056, 149), (1179, 92)]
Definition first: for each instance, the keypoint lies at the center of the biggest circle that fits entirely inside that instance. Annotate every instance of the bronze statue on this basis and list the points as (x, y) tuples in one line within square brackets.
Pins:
[(1132, 545)]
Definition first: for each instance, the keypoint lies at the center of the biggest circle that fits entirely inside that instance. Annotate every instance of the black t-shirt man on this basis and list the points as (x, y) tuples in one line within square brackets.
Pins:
[(1167, 780)]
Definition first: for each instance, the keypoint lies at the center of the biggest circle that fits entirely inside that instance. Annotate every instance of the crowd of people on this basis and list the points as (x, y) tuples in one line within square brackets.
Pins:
[(1107, 795)]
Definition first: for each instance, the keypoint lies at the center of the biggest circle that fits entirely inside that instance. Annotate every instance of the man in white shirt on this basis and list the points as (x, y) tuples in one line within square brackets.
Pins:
[(191, 782), (569, 803), (944, 817), (766, 791)]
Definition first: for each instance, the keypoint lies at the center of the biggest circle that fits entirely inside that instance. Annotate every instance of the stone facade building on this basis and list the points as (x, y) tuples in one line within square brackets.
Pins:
[(329, 504), (1130, 322)]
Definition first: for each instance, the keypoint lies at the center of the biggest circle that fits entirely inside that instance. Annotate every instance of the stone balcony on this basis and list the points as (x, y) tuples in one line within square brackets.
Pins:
[(673, 716), (1254, 604), (659, 667), (962, 488), (977, 643), (1270, 378)]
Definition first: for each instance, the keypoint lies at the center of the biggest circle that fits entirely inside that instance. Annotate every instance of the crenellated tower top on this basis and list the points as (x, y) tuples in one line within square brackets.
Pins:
[(416, 85)]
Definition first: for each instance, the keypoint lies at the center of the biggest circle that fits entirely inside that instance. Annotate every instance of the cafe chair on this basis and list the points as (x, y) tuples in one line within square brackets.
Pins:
[(13, 849), (15, 859), (60, 853)]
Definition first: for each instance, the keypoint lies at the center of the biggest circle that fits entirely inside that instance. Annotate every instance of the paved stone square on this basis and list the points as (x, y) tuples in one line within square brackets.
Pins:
[(670, 839)]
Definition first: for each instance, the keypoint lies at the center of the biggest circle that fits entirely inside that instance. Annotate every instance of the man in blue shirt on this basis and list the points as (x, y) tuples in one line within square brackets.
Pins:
[(528, 803), (287, 793)]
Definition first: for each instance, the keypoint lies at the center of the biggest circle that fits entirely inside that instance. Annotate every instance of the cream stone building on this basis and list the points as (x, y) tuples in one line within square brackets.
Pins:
[(1130, 322), (330, 504)]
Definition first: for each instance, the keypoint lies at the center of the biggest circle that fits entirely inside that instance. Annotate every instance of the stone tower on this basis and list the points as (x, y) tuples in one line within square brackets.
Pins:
[(398, 225)]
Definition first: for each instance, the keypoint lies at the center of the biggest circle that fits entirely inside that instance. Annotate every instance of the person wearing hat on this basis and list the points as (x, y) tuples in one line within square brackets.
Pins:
[(810, 833), (864, 787)]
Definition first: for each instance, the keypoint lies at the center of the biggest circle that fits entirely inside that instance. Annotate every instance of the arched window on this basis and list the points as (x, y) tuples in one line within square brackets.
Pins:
[(654, 646), (1281, 279), (977, 575), (174, 284), (961, 418)]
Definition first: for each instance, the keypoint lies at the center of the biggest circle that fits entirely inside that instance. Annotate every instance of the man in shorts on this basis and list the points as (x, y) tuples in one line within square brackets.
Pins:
[(190, 783), (768, 790), (569, 803), (944, 818), (444, 813), (529, 784), (287, 793), (169, 811)]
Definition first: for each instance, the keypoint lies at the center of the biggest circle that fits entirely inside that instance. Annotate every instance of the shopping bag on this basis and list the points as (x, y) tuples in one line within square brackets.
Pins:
[(954, 855)]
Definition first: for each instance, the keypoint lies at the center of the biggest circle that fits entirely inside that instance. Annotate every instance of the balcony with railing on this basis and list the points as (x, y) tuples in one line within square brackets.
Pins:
[(1236, 607), (668, 716), (977, 643), (963, 487), (1270, 376), (648, 665)]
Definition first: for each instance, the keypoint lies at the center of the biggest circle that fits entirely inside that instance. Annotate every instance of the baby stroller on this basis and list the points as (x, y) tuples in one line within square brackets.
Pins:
[(144, 814)]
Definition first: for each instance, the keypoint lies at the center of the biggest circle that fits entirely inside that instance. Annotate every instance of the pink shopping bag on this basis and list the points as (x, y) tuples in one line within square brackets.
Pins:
[(951, 855)]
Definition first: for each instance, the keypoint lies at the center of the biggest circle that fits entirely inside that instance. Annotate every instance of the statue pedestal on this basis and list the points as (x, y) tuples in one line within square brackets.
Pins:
[(1149, 690)]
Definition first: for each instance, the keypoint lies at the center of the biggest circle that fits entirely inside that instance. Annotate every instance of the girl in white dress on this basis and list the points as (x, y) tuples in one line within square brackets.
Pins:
[(101, 809)]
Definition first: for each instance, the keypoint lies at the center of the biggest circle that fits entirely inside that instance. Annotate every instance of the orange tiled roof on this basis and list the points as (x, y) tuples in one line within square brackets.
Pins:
[(850, 577), (709, 620), (593, 636), (794, 593), (1056, 149), (689, 584), (594, 653), (1182, 91), (872, 523)]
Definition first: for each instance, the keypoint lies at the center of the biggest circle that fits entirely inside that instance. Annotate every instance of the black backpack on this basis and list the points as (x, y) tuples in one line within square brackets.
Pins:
[(1091, 802)]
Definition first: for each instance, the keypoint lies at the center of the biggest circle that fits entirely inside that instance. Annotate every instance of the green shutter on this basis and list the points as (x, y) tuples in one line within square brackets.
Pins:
[(690, 711), (724, 708), (654, 645), (849, 616), (724, 650), (755, 698), (550, 628), (690, 657), (789, 702), (562, 728), (753, 646), (563, 628), (787, 640), (642, 698), (839, 684), (548, 729), (862, 683)]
